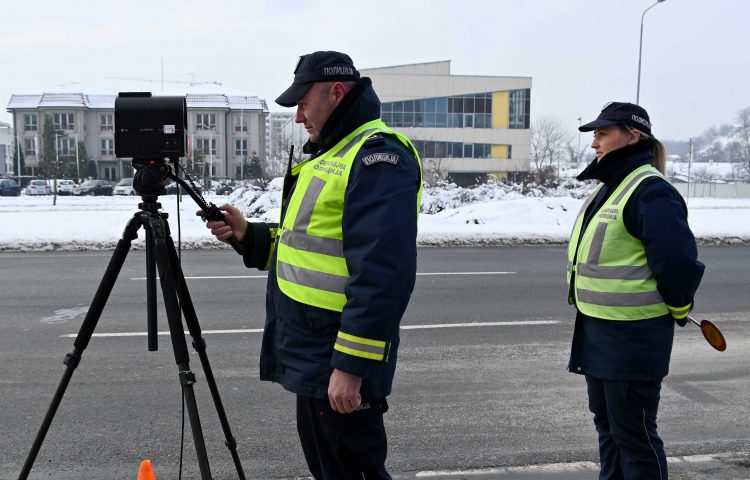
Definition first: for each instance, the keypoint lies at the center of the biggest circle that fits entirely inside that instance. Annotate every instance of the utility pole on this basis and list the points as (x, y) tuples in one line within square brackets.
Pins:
[(54, 176), (690, 164)]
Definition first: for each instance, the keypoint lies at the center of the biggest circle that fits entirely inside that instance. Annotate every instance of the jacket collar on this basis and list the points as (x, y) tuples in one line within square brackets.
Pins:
[(617, 164), (359, 106)]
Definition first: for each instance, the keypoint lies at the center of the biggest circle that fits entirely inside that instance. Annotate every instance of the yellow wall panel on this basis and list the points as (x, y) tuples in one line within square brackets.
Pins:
[(499, 151), (499, 110)]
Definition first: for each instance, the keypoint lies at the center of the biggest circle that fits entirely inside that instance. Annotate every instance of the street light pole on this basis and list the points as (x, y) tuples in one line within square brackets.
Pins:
[(578, 157), (640, 51)]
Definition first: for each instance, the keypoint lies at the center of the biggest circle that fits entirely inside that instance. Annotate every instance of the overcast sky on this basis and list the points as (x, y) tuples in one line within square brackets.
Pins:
[(580, 53)]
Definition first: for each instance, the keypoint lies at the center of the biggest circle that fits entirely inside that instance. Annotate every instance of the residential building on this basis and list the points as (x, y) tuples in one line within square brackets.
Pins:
[(225, 128)]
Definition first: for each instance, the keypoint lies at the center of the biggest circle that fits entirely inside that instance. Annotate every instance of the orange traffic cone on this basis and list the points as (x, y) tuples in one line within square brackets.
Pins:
[(146, 471)]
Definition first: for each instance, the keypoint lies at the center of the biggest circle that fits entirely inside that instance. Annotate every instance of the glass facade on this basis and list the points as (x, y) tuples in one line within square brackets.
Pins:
[(463, 111), (432, 149), (519, 108)]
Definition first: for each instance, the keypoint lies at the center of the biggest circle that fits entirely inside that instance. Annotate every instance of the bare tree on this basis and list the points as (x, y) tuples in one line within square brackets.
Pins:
[(549, 145), (743, 135)]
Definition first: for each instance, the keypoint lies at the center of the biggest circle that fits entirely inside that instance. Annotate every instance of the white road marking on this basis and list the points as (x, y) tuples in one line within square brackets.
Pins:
[(424, 274), (480, 324), (404, 327), (64, 314)]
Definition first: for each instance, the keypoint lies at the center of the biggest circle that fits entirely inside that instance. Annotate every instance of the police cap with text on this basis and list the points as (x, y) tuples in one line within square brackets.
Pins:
[(323, 66), (614, 113)]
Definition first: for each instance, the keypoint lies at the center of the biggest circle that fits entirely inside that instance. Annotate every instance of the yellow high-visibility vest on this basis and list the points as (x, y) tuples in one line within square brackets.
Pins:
[(612, 278), (310, 263)]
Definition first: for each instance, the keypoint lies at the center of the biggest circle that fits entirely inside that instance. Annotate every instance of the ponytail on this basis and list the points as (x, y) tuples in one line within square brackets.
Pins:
[(659, 160), (658, 152)]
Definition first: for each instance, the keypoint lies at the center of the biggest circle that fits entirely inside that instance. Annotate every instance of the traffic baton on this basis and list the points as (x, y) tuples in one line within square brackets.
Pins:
[(711, 333)]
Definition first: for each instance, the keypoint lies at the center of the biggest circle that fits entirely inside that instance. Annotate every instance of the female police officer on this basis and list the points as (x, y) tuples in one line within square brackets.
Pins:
[(632, 271)]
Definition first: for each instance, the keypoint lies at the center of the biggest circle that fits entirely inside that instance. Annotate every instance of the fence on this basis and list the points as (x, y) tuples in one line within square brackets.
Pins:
[(714, 190)]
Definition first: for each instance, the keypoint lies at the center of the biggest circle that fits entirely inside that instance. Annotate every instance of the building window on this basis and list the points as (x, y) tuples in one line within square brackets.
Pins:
[(240, 124), (519, 108), (207, 146), (108, 146), (30, 123), (109, 173), (461, 111), (468, 150), (64, 121), (430, 149), (240, 147), (205, 121), (66, 146), (106, 122), (29, 146)]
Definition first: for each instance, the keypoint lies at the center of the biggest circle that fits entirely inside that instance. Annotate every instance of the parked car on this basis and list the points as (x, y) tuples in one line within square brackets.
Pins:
[(225, 189), (171, 189), (94, 187), (38, 187), (124, 187), (9, 188), (65, 187)]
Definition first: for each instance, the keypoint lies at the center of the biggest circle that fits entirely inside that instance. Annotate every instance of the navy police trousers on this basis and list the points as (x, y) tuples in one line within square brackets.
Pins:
[(625, 418), (343, 446)]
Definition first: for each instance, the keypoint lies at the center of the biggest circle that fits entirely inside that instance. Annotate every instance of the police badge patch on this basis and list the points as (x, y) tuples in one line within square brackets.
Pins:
[(373, 158)]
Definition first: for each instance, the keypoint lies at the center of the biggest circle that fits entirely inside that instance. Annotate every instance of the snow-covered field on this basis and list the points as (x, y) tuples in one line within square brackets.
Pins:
[(485, 215)]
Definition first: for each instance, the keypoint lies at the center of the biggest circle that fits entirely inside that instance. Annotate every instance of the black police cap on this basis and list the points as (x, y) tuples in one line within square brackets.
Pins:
[(324, 66), (614, 113)]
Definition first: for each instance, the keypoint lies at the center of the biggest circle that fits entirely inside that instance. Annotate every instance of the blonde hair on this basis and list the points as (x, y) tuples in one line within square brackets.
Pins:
[(658, 152)]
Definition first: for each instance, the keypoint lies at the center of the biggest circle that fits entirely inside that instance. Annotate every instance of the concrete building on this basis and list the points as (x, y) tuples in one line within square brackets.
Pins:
[(274, 125), (225, 128), (6, 149), (464, 126)]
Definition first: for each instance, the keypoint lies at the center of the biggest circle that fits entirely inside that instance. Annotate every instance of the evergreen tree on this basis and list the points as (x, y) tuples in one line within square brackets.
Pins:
[(48, 166), (91, 170), (83, 161), (254, 168), (19, 164), (194, 165)]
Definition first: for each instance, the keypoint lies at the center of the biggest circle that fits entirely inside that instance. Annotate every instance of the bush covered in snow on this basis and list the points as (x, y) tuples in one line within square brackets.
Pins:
[(255, 201), (446, 196)]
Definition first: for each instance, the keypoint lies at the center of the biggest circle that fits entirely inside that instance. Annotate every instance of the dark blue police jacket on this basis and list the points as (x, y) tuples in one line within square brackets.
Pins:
[(379, 237), (656, 214)]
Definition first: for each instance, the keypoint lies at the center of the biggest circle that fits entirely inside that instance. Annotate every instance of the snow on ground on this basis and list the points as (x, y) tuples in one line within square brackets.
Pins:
[(485, 215)]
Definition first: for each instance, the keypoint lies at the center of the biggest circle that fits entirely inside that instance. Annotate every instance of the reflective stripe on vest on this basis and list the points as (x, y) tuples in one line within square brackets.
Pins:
[(311, 267), (614, 282)]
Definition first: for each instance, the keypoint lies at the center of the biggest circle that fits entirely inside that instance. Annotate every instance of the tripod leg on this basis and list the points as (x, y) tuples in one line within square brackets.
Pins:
[(177, 334), (153, 339), (84, 335), (199, 343)]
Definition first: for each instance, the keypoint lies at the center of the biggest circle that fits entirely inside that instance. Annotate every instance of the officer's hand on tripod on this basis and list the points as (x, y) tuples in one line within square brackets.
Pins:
[(234, 223)]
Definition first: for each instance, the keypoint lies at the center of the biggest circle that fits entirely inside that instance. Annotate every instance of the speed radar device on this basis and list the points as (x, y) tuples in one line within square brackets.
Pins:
[(150, 127)]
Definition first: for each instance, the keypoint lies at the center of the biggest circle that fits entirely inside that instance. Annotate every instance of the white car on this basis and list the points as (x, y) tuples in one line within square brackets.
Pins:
[(124, 187), (65, 187), (38, 187)]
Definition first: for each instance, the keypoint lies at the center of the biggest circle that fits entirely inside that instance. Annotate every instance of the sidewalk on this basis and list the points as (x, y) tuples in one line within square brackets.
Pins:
[(725, 466)]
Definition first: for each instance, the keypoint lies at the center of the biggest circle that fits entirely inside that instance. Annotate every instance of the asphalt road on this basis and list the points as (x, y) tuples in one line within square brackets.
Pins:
[(479, 397)]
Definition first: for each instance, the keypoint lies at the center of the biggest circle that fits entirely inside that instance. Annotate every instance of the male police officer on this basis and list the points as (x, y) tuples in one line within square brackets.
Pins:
[(342, 265)]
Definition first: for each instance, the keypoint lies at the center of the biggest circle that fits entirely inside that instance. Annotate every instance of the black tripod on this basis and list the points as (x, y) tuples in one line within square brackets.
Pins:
[(160, 253)]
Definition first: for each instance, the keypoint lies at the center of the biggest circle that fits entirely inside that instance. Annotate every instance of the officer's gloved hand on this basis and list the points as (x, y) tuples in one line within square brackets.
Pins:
[(681, 321)]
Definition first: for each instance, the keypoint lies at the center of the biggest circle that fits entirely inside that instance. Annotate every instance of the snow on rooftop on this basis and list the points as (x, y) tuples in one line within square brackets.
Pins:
[(77, 96)]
